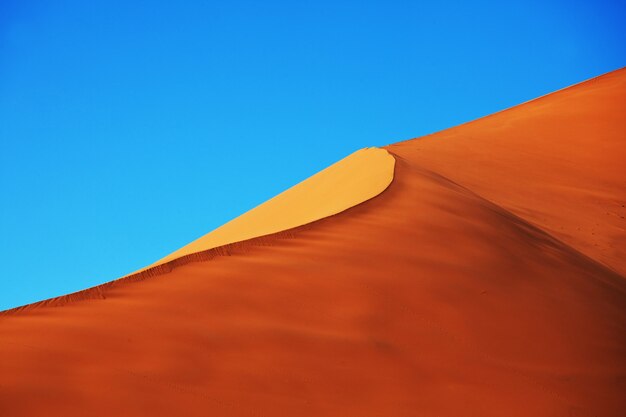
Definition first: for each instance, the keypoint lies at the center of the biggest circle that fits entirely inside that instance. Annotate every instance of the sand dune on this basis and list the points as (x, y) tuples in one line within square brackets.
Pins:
[(487, 279)]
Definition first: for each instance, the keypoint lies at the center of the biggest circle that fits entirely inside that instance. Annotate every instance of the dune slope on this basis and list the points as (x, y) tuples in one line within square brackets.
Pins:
[(559, 162), (450, 293)]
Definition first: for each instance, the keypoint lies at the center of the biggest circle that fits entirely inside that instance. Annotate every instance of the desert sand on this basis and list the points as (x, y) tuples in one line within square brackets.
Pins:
[(479, 271)]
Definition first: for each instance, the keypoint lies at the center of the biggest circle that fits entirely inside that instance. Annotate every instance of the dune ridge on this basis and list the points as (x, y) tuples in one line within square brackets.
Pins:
[(351, 181)]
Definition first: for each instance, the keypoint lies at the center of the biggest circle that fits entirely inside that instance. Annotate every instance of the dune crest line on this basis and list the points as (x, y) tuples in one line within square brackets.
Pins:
[(352, 180)]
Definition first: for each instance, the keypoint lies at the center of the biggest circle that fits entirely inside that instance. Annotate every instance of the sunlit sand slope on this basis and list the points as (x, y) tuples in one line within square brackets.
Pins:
[(351, 181), (434, 298)]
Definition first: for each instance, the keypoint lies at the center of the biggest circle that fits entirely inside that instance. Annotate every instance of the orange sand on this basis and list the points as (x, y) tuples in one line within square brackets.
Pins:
[(472, 286), (558, 162)]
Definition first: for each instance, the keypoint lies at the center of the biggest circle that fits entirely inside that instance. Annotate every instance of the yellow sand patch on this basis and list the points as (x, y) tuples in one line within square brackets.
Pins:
[(353, 180)]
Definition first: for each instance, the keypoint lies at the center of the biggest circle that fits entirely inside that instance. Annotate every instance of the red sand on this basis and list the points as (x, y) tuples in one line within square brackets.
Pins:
[(485, 281)]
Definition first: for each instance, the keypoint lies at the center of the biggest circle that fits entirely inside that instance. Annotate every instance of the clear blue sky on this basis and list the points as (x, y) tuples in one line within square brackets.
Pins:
[(129, 128)]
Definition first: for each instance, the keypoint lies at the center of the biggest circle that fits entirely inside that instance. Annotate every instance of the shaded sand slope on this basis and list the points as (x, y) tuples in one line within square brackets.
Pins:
[(427, 300), (558, 161)]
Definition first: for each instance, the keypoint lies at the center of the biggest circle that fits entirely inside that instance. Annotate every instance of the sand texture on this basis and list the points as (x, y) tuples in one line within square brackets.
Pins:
[(486, 279)]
